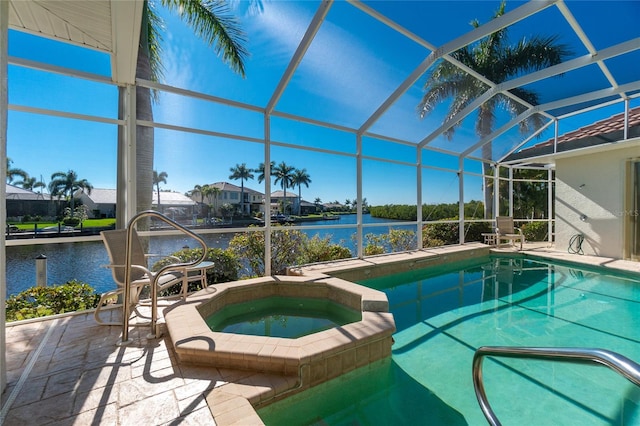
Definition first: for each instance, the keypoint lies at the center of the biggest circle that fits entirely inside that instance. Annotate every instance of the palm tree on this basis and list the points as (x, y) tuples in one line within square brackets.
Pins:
[(197, 189), (213, 191), (240, 171), (159, 178), (284, 175), (497, 60), (212, 22), (13, 172), (318, 203), (30, 183), (300, 177), (261, 172), (66, 184)]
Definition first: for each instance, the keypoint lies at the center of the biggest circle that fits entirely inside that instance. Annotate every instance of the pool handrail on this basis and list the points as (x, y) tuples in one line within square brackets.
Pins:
[(619, 363), (154, 290)]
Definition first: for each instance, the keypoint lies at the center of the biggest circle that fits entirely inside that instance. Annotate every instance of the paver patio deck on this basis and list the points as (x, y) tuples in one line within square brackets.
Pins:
[(68, 370)]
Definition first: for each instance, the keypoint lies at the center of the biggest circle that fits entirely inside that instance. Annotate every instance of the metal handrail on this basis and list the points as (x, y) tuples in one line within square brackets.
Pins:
[(154, 279), (619, 363)]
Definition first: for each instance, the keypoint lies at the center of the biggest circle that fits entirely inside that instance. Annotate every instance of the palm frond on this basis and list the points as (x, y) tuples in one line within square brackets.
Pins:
[(213, 22)]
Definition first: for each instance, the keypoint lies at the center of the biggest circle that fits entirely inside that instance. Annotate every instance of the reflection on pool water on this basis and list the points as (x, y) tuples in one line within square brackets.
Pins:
[(443, 314), (286, 317)]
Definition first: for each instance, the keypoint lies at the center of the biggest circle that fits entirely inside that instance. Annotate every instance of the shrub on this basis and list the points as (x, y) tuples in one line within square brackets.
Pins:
[(38, 302), (287, 245), (439, 234), (373, 244), (401, 240), (318, 249), (535, 231)]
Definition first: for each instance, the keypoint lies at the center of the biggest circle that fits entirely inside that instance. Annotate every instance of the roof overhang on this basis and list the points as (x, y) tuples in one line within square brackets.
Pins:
[(550, 159), (110, 26)]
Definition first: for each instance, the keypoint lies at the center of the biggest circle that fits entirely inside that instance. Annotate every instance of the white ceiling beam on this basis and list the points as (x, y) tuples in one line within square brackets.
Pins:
[(573, 22), (504, 128), (126, 21), (308, 37), (490, 27), (586, 97)]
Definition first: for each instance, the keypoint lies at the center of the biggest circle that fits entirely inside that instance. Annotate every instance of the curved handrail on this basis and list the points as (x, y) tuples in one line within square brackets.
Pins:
[(154, 288), (619, 363)]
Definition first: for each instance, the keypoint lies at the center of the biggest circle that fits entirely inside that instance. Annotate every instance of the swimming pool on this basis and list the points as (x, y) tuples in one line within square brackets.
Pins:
[(443, 314)]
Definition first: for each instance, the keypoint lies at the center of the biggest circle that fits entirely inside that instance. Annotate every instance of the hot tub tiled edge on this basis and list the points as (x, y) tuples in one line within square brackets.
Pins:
[(314, 358)]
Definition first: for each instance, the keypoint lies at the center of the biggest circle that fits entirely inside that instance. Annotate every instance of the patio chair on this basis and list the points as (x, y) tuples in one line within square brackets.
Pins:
[(505, 230), (115, 242)]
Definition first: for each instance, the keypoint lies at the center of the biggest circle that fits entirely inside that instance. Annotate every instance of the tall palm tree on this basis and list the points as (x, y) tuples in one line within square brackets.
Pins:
[(159, 178), (12, 172), (261, 172), (212, 22), (66, 184), (242, 172), (214, 192), (284, 175), (300, 177), (497, 60)]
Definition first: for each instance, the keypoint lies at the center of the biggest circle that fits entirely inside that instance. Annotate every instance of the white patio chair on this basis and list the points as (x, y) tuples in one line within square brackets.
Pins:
[(141, 276), (505, 230)]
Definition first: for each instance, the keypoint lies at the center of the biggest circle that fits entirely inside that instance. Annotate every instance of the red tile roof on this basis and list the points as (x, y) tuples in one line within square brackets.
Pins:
[(599, 128)]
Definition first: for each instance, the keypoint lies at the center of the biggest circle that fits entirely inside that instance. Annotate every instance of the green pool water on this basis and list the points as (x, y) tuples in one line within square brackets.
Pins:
[(444, 314), (286, 317)]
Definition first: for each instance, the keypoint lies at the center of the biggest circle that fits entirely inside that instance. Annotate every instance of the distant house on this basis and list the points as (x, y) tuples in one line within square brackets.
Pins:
[(278, 198), (22, 202), (230, 194), (332, 207), (291, 200), (101, 203), (174, 204)]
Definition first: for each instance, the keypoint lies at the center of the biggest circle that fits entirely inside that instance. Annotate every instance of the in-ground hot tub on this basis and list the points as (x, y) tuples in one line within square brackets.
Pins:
[(315, 357), (277, 316)]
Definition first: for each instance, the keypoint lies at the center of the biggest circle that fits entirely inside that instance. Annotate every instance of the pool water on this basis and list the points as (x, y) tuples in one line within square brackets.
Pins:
[(281, 317), (443, 314)]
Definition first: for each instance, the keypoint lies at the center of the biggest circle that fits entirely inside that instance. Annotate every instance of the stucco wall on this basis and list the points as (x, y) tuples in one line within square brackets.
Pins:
[(592, 185)]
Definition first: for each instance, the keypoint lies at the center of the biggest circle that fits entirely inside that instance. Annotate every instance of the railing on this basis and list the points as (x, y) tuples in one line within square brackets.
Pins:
[(621, 364), (154, 279)]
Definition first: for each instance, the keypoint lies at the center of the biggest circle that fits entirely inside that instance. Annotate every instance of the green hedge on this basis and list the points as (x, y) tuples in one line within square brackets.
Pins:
[(38, 302)]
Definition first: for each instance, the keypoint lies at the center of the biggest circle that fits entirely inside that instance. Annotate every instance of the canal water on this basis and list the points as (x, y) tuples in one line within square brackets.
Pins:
[(85, 261)]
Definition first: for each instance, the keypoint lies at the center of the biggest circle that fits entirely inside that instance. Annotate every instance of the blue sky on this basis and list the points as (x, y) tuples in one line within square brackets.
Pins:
[(354, 64)]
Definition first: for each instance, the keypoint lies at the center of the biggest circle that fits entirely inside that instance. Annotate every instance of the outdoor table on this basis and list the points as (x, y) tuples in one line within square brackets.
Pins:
[(197, 272)]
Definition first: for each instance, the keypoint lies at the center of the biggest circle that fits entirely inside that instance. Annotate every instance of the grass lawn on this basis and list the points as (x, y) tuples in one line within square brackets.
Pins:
[(89, 223)]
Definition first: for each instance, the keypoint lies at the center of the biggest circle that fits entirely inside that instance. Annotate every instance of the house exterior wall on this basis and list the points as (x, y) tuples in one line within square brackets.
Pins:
[(592, 186)]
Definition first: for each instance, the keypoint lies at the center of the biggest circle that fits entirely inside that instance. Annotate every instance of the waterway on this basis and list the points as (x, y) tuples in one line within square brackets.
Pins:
[(84, 261)]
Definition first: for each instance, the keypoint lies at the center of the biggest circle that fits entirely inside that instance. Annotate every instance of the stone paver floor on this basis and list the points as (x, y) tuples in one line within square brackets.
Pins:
[(69, 370)]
